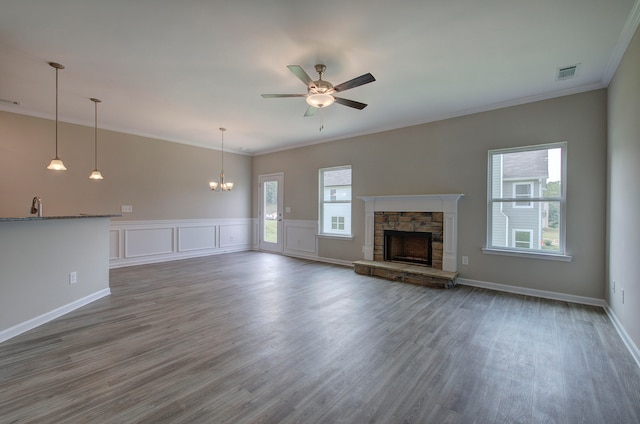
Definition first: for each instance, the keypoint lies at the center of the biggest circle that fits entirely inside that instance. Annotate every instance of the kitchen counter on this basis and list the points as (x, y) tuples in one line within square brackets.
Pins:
[(50, 266)]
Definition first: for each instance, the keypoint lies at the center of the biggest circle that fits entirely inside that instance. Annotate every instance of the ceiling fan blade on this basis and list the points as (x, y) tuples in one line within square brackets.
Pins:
[(356, 82), (301, 74), (310, 111), (350, 103), (271, 96)]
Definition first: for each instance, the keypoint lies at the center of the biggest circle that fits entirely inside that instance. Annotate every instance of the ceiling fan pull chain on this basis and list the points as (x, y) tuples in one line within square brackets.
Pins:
[(321, 120)]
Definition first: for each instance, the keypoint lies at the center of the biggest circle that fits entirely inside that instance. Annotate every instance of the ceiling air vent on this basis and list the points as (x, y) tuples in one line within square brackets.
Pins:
[(567, 72)]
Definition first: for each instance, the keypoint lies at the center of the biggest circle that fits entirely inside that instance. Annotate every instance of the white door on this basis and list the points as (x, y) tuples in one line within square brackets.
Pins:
[(270, 214)]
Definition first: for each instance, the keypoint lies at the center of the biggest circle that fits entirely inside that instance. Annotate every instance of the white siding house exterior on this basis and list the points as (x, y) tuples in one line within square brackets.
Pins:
[(519, 175), (335, 209)]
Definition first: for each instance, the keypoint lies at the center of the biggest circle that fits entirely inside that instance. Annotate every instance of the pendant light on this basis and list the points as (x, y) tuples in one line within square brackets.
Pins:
[(221, 184), (96, 175), (56, 163)]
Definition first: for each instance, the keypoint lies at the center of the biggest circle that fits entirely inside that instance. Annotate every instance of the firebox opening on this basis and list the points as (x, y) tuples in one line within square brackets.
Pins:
[(410, 247)]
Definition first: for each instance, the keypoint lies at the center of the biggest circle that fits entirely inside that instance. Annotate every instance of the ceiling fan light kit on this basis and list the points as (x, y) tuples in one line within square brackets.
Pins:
[(320, 100), (320, 93)]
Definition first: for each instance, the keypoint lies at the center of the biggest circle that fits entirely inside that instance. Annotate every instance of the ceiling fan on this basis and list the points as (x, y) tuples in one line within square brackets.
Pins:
[(320, 92)]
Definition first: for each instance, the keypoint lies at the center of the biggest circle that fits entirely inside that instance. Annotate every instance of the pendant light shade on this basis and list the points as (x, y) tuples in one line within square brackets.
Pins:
[(221, 184), (56, 163), (95, 174)]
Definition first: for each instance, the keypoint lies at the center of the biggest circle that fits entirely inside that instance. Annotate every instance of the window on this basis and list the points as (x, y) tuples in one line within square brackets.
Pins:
[(535, 225), (335, 201), (522, 238)]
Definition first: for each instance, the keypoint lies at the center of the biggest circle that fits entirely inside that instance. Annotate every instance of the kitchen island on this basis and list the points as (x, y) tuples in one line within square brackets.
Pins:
[(50, 266)]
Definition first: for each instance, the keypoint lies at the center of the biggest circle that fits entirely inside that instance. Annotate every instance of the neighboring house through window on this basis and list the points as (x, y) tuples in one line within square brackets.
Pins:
[(522, 238), (335, 201), (337, 223), (537, 224), (523, 190)]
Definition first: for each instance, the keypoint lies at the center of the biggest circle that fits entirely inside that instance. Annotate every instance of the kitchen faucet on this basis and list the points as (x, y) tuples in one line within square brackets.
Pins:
[(36, 206)]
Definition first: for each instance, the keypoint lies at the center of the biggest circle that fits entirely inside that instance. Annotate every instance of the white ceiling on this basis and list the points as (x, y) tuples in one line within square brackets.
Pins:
[(178, 71)]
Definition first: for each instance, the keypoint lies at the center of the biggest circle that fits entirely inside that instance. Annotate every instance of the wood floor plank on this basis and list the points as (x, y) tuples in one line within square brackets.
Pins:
[(260, 338)]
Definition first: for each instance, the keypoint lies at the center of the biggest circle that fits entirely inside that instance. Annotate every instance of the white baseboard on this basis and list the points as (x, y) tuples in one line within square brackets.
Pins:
[(314, 258), (533, 292), (172, 257), (631, 346), (633, 349), (49, 316), (320, 259)]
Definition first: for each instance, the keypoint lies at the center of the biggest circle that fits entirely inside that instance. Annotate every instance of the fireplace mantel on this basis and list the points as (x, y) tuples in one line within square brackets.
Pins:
[(446, 203)]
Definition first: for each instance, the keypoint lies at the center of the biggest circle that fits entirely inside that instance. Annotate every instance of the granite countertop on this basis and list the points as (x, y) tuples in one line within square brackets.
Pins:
[(43, 218)]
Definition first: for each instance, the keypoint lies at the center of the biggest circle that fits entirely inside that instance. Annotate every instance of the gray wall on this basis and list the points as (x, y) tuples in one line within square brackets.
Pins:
[(160, 179), (451, 157), (623, 217), (36, 258)]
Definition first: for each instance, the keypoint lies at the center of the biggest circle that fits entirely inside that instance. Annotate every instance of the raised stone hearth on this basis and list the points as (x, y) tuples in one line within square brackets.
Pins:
[(404, 273)]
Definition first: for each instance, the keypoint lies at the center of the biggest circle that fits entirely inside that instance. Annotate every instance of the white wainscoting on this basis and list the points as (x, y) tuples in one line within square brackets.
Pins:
[(141, 242), (233, 235), (300, 238)]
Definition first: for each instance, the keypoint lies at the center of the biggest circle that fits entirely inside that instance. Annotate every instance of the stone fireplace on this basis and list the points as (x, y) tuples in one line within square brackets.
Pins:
[(411, 239), (407, 246), (435, 214)]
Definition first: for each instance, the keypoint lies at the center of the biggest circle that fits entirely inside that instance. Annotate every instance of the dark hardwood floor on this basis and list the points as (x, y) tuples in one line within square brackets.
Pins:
[(253, 337)]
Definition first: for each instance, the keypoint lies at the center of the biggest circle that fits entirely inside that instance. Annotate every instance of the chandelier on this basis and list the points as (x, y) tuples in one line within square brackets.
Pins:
[(221, 184)]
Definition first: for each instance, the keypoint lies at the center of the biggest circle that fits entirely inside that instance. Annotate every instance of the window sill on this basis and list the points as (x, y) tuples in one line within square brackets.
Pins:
[(335, 236), (531, 255)]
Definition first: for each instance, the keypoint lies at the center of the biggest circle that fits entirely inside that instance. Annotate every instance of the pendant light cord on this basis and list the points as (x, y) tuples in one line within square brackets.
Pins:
[(95, 134), (57, 113)]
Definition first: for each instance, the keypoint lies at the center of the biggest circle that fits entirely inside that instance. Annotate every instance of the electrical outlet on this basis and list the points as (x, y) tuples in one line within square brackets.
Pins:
[(73, 277), (465, 260), (622, 294), (127, 209)]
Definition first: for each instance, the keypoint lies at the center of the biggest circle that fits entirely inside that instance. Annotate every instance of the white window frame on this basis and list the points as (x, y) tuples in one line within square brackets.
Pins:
[(519, 204), (328, 232), (520, 230), (561, 254)]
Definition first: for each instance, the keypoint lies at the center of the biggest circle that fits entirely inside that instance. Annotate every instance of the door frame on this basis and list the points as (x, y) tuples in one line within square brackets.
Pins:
[(262, 244)]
